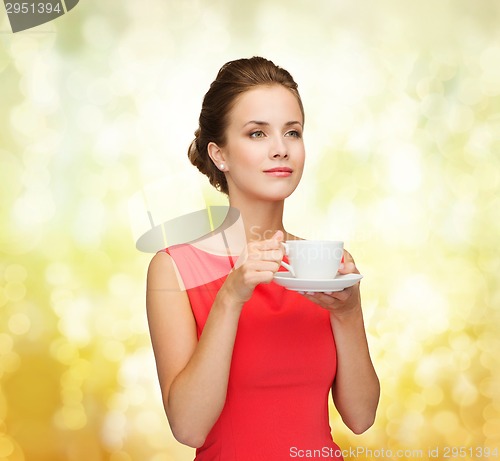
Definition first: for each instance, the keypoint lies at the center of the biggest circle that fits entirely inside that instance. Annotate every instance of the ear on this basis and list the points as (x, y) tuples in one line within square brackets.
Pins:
[(216, 154)]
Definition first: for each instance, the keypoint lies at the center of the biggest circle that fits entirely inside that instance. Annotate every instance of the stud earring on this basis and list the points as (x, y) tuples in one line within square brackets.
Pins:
[(221, 166)]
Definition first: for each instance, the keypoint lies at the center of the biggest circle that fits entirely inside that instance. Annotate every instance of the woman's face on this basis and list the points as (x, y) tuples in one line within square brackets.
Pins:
[(264, 151)]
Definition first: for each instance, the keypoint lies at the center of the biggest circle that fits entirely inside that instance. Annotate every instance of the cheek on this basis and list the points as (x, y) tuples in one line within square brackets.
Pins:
[(301, 156)]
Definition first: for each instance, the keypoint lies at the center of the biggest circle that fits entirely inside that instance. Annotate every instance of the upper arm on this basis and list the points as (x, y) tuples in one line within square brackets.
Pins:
[(171, 322)]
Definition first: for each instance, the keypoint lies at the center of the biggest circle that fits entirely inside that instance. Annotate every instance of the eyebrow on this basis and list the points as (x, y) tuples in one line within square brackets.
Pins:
[(261, 123)]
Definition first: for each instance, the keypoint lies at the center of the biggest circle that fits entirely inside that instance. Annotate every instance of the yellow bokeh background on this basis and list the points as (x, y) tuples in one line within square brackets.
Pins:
[(402, 107)]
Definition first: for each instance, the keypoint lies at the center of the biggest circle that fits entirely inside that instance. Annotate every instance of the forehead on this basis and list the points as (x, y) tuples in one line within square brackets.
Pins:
[(266, 103)]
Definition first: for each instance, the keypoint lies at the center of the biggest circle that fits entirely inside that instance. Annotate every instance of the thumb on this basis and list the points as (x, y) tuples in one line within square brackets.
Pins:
[(278, 235)]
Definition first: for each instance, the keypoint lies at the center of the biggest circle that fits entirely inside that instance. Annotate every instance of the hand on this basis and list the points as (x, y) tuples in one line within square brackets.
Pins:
[(340, 302), (258, 264)]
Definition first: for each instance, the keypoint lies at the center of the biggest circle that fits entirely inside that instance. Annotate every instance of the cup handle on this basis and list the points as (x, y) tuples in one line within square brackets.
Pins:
[(284, 264), (287, 266)]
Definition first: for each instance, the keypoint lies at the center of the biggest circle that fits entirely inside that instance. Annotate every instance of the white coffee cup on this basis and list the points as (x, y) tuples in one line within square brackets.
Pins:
[(313, 259)]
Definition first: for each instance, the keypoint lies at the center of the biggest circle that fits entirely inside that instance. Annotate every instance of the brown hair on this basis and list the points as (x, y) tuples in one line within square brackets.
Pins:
[(233, 79)]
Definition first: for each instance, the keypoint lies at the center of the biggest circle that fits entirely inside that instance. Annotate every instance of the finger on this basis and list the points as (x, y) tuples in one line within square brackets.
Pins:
[(348, 265), (347, 257), (342, 295), (323, 298), (263, 266), (270, 244), (348, 268), (267, 255), (278, 235)]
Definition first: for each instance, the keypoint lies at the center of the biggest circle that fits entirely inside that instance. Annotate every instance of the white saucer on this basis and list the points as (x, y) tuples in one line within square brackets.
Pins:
[(340, 282)]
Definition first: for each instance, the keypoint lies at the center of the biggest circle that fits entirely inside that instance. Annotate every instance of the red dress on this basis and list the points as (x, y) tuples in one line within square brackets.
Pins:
[(282, 369)]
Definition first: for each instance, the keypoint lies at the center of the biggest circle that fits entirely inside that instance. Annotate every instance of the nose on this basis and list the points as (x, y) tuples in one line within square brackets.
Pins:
[(279, 148)]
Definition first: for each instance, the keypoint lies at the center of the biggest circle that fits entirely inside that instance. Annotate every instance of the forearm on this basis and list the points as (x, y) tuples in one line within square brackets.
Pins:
[(356, 388), (197, 394)]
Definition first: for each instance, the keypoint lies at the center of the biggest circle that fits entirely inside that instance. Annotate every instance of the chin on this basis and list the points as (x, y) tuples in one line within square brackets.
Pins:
[(278, 195)]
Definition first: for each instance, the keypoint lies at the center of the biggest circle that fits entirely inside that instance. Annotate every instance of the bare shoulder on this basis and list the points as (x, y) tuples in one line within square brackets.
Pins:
[(163, 273)]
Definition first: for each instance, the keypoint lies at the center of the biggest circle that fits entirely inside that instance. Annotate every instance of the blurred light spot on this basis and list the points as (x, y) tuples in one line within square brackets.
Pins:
[(58, 274), (15, 291), (10, 362), (136, 395), (421, 301), (42, 84), (75, 319), (404, 168), (121, 285), (458, 220), (135, 366), (114, 351), (114, 429), (89, 118), (464, 391), (478, 143), (77, 374), (491, 429), (33, 208), (489, 360), (445, 422), (60, 299), (434, 106), (71, 395), (6, 343), (71, 417), (490, 64), (95, 185), (28, 121), (469, 93), (121, 330), (148, 421), (461, 119), (63, 351), (433, 395), (15, 273), (36, 176), (19, 323), (91, 210), (97, 32), (488, 342), (464, 351), (489, 386), (98, 92), (3, 297), (120, 456), (119, 402), (487, 177), (415, 402), (409, 427), (6, 446), (428, 370), (118, 178)]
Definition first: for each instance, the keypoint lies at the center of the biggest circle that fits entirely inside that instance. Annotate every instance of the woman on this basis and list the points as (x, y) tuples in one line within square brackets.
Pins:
[(246, 366)]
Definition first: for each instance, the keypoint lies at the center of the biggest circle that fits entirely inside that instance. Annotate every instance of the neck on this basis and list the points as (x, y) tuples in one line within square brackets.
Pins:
[(261, 220), (256, 220)]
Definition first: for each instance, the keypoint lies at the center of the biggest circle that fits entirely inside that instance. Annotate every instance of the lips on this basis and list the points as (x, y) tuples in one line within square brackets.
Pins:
[(281, 169), (279, 172)]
